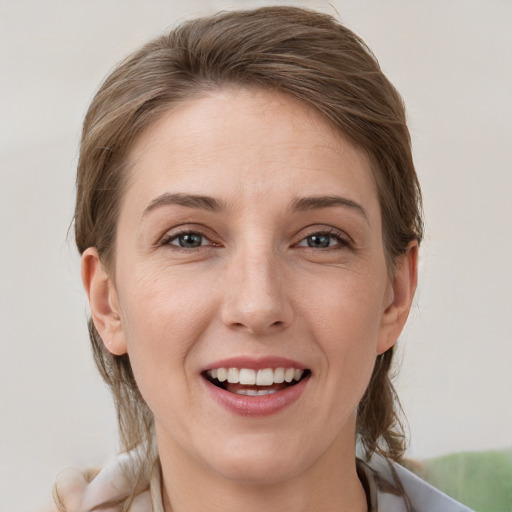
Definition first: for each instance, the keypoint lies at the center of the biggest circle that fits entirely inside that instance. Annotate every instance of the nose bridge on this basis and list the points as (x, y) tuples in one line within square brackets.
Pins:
[(255, 299)]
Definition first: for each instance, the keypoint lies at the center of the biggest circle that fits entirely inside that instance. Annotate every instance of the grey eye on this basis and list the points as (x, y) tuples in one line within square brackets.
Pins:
[(188, 240), (319, 241)]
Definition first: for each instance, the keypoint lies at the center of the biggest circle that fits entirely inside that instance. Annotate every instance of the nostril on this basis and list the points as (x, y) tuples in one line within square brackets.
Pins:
[(256, 328)]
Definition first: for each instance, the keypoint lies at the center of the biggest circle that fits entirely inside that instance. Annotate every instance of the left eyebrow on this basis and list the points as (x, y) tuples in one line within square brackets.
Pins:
[(318, 202), (187, 200)]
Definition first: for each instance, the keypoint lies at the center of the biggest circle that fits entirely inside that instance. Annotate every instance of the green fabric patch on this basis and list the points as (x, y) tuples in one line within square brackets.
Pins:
[(480, 480)]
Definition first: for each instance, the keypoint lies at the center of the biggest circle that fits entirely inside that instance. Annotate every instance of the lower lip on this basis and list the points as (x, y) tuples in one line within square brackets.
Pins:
[(263, 405)]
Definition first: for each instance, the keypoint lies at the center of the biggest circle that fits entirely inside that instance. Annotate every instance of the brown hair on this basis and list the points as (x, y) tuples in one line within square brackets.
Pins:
[(305, 54)]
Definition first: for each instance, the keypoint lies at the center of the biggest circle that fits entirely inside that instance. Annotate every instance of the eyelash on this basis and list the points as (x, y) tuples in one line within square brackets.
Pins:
[(341, 240), (167, 239)]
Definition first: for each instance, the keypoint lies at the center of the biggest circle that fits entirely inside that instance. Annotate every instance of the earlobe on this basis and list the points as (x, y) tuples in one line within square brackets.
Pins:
[(403, 288), (103, 302)]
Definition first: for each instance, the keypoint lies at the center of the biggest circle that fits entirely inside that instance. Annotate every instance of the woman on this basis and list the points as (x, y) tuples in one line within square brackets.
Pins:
[(249, 218)]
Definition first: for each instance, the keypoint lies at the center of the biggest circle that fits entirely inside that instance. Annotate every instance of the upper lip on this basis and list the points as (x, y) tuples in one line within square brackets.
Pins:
[(258, 363)]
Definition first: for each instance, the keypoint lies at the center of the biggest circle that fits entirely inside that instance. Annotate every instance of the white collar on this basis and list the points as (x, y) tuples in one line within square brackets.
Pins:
[(422, 496)]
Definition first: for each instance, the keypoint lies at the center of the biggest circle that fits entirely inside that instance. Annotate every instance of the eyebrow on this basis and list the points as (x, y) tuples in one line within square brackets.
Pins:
[(214, 205), (318, 202), (187, 200)]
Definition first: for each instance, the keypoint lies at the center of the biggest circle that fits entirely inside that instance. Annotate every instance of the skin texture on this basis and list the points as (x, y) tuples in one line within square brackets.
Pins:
[(253, 288)]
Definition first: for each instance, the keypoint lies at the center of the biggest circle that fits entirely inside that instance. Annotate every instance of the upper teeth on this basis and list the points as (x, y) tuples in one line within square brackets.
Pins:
[(249, 377)]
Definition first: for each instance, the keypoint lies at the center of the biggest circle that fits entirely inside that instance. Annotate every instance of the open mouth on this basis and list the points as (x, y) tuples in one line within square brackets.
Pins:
[(246, 381)]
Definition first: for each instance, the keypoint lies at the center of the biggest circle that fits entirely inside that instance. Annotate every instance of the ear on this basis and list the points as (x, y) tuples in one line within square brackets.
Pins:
[(403, 287), (103, 302)]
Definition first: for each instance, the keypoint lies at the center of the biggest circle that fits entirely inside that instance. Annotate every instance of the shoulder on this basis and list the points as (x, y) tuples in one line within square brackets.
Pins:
[(423, 497)]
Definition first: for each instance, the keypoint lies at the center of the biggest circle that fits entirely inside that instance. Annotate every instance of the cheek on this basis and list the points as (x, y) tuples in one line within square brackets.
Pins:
[(164, 314), (345, 319), (347, 310)]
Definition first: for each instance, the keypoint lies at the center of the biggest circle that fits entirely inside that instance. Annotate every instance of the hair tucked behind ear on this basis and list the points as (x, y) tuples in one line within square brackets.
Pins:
[(379, 424), (305, 54), (134, 419)]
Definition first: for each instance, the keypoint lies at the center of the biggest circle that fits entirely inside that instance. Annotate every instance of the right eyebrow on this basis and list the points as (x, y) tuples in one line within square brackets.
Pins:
[(188, 200), (319, 202)]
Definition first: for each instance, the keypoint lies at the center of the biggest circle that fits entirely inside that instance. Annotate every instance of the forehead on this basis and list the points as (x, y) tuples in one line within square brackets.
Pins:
[(245, 142)]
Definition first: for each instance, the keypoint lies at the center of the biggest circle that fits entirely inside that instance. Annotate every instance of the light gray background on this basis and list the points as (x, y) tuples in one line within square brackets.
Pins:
[(452, 62)]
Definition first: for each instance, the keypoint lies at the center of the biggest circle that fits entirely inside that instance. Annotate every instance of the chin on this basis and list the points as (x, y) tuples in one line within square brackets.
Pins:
[(261, 463), (261, 472)]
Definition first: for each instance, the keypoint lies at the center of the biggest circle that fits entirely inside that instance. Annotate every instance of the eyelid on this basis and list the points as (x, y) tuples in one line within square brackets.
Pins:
[(170, 240), (344, 239), (186, 229)]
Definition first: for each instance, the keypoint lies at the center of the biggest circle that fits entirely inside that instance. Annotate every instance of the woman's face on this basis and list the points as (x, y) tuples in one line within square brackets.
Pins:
[(249, 250)]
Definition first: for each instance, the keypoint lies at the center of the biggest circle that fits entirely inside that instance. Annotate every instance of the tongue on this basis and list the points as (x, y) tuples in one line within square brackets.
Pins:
[(233, 388)]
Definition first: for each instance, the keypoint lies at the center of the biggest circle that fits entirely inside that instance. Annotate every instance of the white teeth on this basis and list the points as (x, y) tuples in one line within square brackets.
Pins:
[(265, 377), (250, 377), (233, 375), (279, 375), (253, 392), (247, 377)]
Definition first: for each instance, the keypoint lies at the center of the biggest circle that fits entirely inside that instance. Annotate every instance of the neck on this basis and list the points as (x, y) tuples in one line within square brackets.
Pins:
[(330, 483)]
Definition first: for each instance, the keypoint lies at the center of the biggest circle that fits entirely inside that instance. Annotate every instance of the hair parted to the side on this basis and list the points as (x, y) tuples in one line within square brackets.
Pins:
[(305, 54)]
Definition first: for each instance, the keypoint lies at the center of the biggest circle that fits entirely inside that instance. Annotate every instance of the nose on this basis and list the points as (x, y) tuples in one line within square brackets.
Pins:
[(256, 296)]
